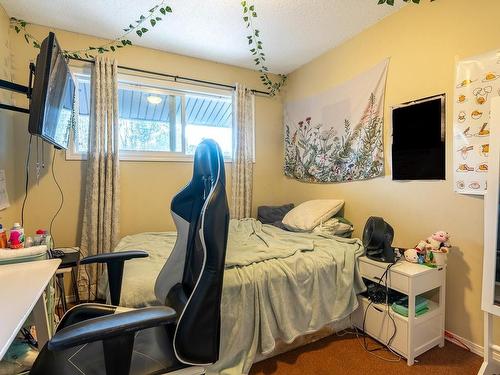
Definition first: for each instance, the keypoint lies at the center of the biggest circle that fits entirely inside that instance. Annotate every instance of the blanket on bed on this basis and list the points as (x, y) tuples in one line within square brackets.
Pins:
[(277, 284), (300, 283), (250, 241)]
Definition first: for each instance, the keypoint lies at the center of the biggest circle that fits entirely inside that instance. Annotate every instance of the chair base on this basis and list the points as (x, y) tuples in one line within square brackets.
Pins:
[(196, 370)]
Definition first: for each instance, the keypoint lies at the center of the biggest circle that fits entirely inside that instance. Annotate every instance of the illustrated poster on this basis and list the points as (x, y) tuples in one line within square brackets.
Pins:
[(477, 81)]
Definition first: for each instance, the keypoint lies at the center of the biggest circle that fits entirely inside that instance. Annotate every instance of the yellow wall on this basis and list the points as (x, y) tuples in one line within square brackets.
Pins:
[(8, 215), (423, 42), (146, 187)]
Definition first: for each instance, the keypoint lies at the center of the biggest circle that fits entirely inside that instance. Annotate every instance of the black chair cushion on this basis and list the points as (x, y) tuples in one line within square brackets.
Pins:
[(153, 354)]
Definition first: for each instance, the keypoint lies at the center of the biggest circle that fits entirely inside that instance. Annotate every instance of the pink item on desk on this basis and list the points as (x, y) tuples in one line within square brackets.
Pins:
[(16, 239)]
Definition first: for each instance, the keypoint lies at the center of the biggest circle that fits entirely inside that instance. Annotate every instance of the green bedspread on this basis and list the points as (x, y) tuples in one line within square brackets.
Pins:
[(293, 284), (250, 241), (277, 285)]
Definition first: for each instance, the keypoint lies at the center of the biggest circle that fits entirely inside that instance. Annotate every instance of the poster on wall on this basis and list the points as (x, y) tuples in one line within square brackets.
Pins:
[(337, 136), (477, 81)]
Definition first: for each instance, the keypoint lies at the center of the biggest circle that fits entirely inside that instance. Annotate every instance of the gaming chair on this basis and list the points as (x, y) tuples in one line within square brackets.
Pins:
[(105, 339)]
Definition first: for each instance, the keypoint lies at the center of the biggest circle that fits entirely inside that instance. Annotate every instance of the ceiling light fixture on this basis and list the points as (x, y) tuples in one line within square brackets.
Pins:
[(153, 99)]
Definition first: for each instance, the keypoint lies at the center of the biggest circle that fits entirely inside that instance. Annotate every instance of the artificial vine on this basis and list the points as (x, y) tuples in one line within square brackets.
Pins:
[(152, 17), (391, 2), (257, 51)]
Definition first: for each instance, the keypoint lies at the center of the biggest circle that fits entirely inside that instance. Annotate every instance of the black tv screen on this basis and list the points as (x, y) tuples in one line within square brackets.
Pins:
[(52, 96), (418, 140)]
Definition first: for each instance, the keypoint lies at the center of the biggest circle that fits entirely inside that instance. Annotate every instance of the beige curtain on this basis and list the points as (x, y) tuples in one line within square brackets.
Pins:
[(100, 223), (243, 153)]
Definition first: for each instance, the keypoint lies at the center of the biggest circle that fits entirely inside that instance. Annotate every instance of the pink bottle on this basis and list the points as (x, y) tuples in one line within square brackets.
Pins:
[(16, 238)]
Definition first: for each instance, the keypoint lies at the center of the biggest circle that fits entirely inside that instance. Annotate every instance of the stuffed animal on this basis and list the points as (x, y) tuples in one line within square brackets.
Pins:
[(438, 241), (411, 255), (425, 249)]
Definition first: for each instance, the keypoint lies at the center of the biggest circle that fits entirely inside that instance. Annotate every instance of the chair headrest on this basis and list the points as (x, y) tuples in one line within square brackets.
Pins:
[(209, 162)]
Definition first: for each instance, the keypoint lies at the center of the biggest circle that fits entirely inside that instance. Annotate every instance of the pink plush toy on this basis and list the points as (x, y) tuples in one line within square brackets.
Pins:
[(437, 242), (425, 249)]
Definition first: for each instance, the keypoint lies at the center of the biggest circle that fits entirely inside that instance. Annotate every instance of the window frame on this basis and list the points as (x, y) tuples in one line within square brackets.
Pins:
[(164, 87)]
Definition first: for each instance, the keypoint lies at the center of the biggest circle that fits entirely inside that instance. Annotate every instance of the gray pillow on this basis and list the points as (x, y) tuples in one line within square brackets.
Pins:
[(273, 214)]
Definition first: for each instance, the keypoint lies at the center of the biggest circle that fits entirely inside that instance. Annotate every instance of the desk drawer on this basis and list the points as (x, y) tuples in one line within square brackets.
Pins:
[(394, 280)]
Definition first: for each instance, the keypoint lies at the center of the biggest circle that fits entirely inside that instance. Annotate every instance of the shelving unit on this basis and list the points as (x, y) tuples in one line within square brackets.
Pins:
[(414, 335)]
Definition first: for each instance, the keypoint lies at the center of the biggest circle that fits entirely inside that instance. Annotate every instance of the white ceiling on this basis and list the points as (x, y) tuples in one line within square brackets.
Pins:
[(293, 31)]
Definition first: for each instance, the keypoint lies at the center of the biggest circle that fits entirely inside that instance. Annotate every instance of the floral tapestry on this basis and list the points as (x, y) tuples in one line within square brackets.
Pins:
[(337, 136)]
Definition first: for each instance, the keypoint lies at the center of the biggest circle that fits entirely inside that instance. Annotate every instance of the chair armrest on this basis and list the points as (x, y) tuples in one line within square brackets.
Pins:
[(114, 257), (85, 311), (114, 264), (111, 326)]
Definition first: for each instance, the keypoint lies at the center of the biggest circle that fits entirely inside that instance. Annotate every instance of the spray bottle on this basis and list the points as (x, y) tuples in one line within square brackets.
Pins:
[(3, 238), (16, 238)]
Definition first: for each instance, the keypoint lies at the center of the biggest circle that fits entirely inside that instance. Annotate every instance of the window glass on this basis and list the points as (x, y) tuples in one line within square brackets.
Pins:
[(209, 117), (81, 132), (154, 120), (146, 120)]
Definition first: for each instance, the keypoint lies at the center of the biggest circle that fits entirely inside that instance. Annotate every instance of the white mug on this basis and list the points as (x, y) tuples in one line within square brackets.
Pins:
[(439, 258)]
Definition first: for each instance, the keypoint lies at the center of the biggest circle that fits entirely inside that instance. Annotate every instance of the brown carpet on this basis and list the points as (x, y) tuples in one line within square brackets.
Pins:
[(344, 355)]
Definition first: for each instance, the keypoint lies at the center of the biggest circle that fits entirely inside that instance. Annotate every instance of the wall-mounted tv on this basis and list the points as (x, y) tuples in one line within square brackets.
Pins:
[(418, 140), (52, 96)]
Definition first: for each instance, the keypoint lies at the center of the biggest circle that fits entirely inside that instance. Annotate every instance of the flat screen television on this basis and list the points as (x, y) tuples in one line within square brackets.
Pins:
[(418, 140), (52, 96)]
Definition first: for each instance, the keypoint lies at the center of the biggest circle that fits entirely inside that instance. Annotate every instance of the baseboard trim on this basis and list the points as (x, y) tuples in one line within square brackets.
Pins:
[(474, 348)]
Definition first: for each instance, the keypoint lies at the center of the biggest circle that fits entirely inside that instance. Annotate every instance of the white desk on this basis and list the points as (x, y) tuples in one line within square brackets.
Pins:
[(21, 291)]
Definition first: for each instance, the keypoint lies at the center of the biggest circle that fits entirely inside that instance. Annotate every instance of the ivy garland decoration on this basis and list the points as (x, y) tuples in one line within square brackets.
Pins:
[(152, 17), (257, 50), (391, 2)]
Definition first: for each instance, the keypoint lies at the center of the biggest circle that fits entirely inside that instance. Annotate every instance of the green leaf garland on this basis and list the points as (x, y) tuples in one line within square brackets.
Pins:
[(257, 50), (152, 17), (391, 2)]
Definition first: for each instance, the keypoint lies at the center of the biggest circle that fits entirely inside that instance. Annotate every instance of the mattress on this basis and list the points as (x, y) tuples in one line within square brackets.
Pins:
[(278, 287)]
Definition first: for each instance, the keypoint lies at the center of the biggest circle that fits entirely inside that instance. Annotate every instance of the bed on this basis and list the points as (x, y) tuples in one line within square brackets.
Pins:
[(281, 289)]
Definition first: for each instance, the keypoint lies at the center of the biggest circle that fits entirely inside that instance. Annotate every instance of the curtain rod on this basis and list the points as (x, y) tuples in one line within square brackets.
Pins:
[(175, 78)]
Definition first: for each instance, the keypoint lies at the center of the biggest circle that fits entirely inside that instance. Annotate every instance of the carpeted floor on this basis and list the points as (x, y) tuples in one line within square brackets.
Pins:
[(344, 355)]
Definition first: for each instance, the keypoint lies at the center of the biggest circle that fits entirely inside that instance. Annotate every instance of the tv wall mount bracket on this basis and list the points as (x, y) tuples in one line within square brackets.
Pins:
[(21, 89)]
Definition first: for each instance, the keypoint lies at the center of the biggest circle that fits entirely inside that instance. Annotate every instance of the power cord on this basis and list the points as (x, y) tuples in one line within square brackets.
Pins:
[(88, 285), (364, 343), (62, 200), (26, 184), (389, 314), (59, 305), (29, 338)]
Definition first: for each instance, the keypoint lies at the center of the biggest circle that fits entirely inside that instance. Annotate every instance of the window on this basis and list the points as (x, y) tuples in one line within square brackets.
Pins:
[(158, 123)]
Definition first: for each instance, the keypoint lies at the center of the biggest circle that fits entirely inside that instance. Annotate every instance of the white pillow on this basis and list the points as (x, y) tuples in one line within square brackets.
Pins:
[(308, 215)]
